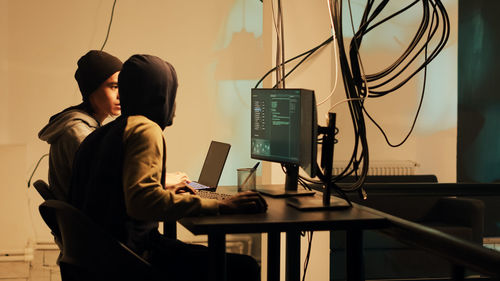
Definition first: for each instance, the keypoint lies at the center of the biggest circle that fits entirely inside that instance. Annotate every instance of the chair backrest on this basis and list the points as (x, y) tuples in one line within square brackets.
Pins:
[(43, 188), (90, 252)]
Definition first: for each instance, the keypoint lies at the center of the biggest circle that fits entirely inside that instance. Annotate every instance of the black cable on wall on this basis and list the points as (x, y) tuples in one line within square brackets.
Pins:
[(109, 25)]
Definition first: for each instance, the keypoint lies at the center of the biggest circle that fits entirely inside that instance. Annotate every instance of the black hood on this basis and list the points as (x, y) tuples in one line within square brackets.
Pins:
[(148, 86)]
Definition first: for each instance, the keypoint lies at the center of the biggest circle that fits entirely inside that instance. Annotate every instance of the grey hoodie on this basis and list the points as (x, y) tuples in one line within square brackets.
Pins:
[(64, 132)]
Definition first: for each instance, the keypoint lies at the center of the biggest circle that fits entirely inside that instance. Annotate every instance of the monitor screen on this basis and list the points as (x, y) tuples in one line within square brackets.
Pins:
[(284, 127)]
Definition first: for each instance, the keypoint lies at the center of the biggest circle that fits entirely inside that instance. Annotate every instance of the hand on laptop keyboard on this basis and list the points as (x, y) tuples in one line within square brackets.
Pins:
[(181, 188), (243, 202), (176, 179)]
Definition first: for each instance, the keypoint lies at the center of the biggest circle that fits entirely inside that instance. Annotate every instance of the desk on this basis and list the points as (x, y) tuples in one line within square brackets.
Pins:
[(282, 218)]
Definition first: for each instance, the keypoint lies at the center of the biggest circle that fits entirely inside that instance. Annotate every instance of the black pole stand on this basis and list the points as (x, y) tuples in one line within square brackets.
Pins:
[(328, 133), (307, 203), (291, 179)]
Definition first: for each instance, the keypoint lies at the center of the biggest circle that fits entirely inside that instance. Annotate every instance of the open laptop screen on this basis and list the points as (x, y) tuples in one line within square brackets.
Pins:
[(214, 164)]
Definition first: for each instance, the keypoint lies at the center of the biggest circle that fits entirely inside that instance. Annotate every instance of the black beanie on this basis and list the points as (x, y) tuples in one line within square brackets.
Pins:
[(93, 69)]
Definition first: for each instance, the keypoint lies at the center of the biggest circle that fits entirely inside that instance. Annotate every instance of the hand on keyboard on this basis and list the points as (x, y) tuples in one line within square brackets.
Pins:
[(181, 188), (177, 181), (243, 202)]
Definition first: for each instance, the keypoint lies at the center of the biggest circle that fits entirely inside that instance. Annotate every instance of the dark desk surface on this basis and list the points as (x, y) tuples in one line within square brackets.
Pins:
[(281, 218)]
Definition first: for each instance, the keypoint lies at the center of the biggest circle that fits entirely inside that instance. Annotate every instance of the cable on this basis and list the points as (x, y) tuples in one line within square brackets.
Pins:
[(335, 57), (280, 75), (304, 184), (359, 85), (416, 114), (434, 28), (363, 76), (438, 13), (308, 255), (109, 25), (309, 53), (282, 41), (280, 46), (352, 86), (342, 101), (276, 21), (36, 167), (336, 76)]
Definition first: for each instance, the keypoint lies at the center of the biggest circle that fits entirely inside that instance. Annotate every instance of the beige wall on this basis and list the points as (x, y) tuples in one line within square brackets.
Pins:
[(4, 81), (16, 221), (42, 41), (46, 39)]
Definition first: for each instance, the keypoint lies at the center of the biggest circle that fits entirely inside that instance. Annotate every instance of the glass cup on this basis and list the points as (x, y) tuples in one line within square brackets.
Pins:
[(246, 179)]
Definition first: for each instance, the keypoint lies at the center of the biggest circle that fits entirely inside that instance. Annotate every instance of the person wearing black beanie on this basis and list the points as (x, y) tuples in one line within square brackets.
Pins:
[(94, 68), (97, 78)]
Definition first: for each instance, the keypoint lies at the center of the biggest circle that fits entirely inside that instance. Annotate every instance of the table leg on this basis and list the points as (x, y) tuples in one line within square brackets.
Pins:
[(273, 255), (292, 256), (217, 252), (354, 255)]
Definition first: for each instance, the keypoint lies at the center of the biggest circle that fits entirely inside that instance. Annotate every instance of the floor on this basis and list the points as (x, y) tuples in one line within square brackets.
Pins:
[(43, 265)]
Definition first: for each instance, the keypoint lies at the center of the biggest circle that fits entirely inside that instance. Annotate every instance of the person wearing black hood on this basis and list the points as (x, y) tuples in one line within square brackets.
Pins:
[(119, 172), (97, 77)]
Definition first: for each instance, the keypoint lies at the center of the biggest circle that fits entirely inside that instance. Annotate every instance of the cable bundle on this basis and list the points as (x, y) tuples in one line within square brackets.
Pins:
[(359, 85)]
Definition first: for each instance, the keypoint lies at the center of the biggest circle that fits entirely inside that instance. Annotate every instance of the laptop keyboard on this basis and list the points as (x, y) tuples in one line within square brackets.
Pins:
[(212, 194), (198, 186)]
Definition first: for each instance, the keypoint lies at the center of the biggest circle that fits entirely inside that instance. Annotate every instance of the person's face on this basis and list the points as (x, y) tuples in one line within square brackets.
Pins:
[(106, 100)]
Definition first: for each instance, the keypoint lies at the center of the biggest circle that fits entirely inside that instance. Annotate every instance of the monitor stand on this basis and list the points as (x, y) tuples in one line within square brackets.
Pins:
[(291, 185), (314, 204), (285, 193), (327, 202)]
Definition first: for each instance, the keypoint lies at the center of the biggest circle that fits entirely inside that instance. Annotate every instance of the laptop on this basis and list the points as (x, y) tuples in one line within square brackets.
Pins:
[(212, 167)]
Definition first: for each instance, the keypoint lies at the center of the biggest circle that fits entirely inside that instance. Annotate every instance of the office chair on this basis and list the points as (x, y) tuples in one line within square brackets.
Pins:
[(43, 189), (90, 252), (390, 259)]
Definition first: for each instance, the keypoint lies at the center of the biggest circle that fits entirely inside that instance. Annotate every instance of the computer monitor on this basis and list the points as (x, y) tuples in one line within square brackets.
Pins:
[(284, 130)]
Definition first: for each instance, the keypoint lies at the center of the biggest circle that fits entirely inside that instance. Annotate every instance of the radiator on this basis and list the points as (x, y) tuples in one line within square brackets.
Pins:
[(383, 168)]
